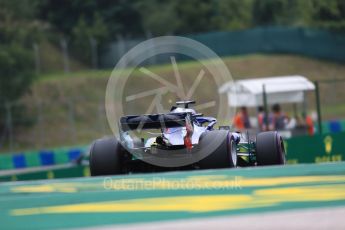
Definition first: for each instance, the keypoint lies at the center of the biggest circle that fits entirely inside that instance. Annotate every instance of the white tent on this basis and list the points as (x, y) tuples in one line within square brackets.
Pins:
[(283, 89)]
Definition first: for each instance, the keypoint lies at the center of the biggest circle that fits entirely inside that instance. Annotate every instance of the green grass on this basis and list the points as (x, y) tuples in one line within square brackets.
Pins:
[(333, 111)]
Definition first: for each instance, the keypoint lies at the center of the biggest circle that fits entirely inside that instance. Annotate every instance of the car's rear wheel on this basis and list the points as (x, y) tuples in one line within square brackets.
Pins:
[(222, 156), (270, 149), (106, 156)]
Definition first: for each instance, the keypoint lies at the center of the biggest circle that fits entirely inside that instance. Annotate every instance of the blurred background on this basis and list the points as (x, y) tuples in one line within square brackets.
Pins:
[(57, 55)]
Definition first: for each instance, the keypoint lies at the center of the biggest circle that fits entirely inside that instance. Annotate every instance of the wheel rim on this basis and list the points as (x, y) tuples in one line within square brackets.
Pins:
[(233, 152), (282, 149)]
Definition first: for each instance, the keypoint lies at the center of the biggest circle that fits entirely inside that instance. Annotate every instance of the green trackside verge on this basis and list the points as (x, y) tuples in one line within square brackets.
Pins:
[(88, 202)]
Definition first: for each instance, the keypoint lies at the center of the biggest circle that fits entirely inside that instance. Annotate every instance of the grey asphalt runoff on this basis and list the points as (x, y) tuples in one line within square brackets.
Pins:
[(317, 218)]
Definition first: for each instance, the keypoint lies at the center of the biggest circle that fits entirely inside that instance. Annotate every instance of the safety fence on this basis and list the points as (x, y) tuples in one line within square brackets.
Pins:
[(41, 158), (304, 41)]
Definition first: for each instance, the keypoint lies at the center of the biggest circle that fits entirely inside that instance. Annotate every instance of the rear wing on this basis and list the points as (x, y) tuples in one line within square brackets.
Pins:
[(153, 121)]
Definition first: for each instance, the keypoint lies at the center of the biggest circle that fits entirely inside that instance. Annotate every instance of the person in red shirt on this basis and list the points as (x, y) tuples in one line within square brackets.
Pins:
[(308, 123), (241, 120)]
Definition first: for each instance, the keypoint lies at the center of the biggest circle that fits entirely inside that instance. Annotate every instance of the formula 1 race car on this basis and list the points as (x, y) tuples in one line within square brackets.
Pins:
[(185, 140)]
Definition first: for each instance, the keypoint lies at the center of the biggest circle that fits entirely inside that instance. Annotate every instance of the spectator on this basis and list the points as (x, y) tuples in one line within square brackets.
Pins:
[(278, 118), (309, 124), (262, 119), (241, 120)]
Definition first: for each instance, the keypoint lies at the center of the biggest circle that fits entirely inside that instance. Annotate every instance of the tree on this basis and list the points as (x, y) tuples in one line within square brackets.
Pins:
[(328, 14), (194, 16), (16, 72), (17, 32), (158, 17), (233, 14), (83, 33), (278, 12)]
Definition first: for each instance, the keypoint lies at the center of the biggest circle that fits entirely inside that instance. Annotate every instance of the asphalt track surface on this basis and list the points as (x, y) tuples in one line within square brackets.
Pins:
[(295, 196), (325, 218)]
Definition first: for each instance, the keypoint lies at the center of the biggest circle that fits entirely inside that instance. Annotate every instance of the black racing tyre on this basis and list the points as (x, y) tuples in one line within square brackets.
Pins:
[(106, 156), (270, 149), (224, 156)]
